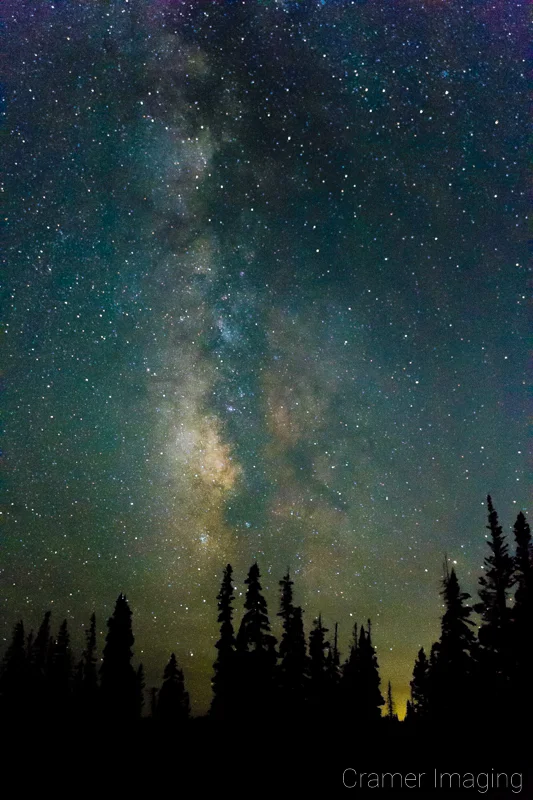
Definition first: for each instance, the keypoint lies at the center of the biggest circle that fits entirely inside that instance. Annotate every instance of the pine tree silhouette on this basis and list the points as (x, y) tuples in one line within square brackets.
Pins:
[(60, 672), (333, 658), (410, 715), (14, 675), (140, 685), (318, 673), (36, 680), (40, 649), (420, 687), (522, 618), (255, 649), (495, 632), (291, 671), (86, 678), (286, 613), (349, 685), (523, 564), (333, 676), (90, 676), (29, 644), (118, 686), (223, 681), (39, 663), (495, 585), (391, 715), (360, 682), (371, 699), (173, 700), (452, 666)]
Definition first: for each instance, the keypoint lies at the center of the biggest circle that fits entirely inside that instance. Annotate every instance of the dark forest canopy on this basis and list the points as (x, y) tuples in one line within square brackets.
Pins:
[(473, 672)]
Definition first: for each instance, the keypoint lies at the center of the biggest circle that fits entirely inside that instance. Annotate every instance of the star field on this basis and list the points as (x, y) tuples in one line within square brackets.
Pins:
[(264, 298)]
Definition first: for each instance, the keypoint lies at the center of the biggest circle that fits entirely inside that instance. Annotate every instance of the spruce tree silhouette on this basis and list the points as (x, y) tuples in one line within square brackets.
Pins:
[(360, 681), (60, 673), (140, 685), (286, 613), (333, 677), (370, 697), (117, 676), (523, 565), (495, 632), (173, 700), (256, 652), (318, 669), (87, 682), (292, 669), (36, 672), (522, 617), (39, 663), (223, 681), (390, 707), (333, 659), (29, 644), (410, 715), (349, 684), (40, 649), (420, 687), (452, 671), (14, 675), (85, 689)]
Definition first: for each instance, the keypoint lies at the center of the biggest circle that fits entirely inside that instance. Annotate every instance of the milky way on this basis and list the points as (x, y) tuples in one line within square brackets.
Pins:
[(264, 300)]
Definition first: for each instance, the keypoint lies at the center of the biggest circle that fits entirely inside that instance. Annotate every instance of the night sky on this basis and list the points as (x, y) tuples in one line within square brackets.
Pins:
[(264, 300)]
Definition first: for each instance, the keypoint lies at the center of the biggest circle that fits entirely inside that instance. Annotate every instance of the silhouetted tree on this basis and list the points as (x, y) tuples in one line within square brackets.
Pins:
[(140, 685), (89, 657), (173, 700), (90, 676), (523, 565), (318, 673), (420, 687), (360, 682), (40, 649), (522, 618), (286, 613), (391, 715), (223, 681), (255, 648), (118, 689), (291, 671), (410, 715), (86, 677), (495, 633), (29, 644), (371, 699), (333, 675), (349, 678), (495, 585), (60, 671), (14, 678), (452, 670), (39, 663), (333, 659)]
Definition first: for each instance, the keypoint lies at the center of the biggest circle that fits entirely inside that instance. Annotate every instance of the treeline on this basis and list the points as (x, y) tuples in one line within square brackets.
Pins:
[(474, 672)]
